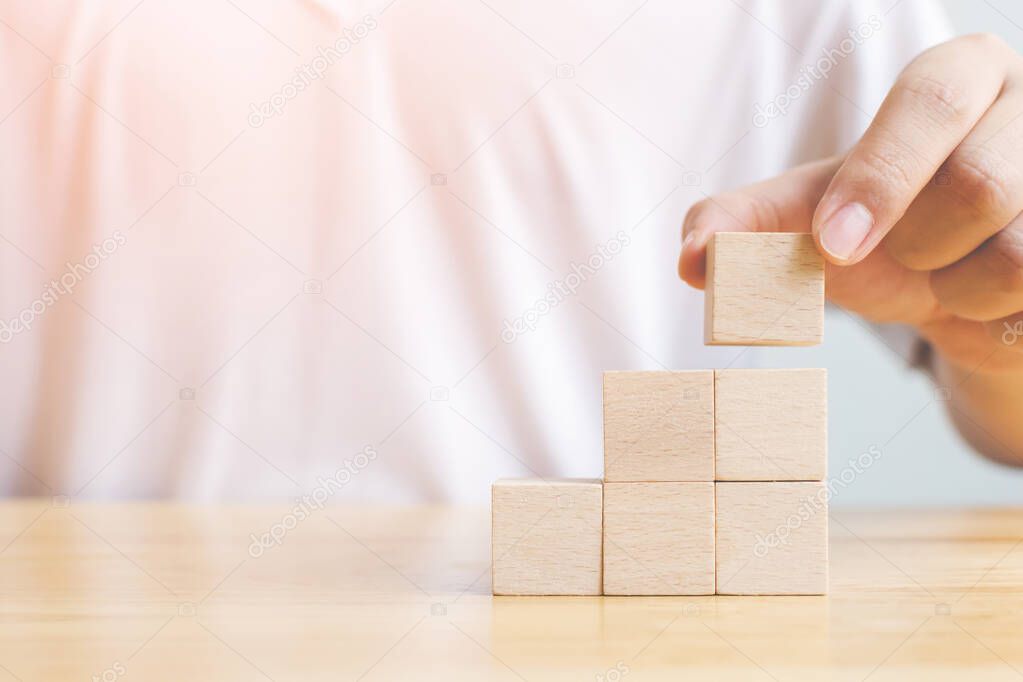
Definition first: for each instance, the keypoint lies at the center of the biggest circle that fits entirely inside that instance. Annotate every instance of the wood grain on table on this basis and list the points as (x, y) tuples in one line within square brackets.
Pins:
[(172, 592)]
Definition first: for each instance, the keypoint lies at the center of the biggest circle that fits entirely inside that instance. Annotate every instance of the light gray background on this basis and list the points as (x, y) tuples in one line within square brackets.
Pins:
[(879, 402)]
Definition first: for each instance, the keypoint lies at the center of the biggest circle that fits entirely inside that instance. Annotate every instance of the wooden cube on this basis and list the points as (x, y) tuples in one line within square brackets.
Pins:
[(546, 536), (772, 538), (763, 289), (658, 538), (770, 424), (659, 426)]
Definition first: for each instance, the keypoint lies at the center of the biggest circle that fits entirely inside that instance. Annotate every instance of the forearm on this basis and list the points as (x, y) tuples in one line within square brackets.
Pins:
[(987, 409)]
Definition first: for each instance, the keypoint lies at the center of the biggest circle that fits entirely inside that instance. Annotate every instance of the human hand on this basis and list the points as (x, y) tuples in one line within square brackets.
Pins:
[(920, 222)]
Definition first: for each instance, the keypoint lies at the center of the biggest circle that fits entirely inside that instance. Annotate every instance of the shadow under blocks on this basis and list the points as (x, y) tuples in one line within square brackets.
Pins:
[(713, 480)]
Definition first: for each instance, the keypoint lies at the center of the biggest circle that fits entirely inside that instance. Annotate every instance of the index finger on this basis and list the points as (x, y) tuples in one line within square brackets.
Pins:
[(934, 103)]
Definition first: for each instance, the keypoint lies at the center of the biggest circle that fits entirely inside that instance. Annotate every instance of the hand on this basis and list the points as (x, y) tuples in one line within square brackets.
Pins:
[(920, 222)]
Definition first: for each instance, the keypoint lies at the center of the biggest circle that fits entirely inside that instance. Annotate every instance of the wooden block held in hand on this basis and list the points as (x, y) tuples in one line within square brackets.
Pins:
[(546, 536), (770, 424), (658, 538), (763, 289), (659, 426), (772, 538)]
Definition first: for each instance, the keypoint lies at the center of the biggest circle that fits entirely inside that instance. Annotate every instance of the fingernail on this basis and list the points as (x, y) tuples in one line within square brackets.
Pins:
[(846, 230)]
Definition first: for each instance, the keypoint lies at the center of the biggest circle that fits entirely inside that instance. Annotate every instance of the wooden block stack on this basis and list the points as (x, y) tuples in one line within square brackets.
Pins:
[(713, 480)]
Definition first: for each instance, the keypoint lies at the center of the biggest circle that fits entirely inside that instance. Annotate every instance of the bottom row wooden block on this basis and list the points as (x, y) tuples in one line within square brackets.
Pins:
[(582, 537), (546, 536), (772, 538), (658, 538)]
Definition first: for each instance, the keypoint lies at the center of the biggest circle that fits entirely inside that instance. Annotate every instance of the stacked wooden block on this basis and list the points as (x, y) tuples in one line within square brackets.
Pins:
[(713, 480)]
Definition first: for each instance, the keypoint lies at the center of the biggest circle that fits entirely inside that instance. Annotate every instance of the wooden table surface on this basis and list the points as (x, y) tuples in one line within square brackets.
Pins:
[(176, 592)]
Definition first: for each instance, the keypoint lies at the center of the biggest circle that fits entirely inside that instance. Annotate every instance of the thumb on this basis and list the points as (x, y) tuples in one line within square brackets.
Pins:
[(784, 203)]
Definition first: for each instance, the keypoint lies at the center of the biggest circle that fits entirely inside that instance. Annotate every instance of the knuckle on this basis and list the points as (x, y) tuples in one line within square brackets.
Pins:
[(983, 181), (935, 97), (887, 167)]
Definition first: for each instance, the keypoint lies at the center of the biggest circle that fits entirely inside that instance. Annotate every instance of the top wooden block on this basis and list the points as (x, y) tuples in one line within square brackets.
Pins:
[(763, 289), (659, 426)]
